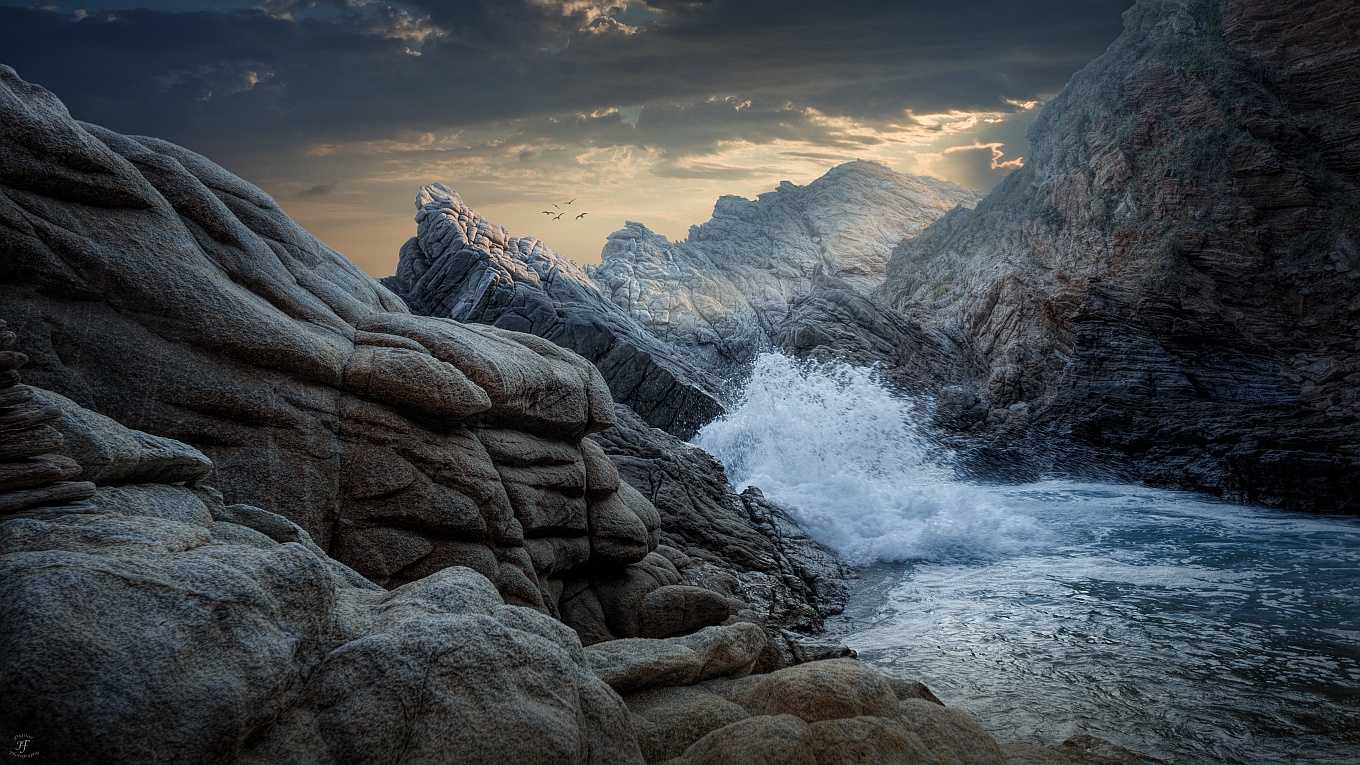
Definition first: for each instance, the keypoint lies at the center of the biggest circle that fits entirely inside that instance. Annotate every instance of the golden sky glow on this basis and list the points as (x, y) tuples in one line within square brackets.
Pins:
[(512, 180)]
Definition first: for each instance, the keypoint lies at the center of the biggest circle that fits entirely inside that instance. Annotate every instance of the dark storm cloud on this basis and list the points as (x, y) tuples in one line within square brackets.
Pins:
[(228, 77)]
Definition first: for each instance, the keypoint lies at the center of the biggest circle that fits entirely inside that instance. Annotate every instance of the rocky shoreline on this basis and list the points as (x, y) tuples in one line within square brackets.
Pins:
[(256, 511), (256, 506)]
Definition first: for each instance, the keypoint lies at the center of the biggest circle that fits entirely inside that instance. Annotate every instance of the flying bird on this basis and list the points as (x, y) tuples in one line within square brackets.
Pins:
[(554, 204), (547, 212), (582, 215), (559, 215), (573, 199)]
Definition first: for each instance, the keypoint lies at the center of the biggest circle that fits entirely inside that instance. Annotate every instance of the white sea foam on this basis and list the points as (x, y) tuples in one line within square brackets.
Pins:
[(851, 464)]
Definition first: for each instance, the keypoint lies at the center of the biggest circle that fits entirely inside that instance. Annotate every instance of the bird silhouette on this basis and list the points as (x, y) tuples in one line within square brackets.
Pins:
[(582, 215), (573, 199), (554, 204), (547, 212), (559, 215)]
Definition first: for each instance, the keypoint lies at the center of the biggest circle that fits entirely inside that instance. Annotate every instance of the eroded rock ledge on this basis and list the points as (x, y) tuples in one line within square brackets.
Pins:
[(144, 618)]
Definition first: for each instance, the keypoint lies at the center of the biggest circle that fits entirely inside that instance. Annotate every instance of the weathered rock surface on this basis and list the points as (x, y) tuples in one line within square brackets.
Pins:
[(157, 623), (722, 293), (153, 287), (461, 266), (740, 545), (1174, 273), (836, 712), (34, 474)]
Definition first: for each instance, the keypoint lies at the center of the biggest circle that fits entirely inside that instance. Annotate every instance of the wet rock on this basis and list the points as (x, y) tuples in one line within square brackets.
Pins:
[(738, 545)]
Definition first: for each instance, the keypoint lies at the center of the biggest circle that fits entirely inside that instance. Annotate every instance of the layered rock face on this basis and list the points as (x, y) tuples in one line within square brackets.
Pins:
[(722, 293), (1175, 271), (143, 618), (460, 266), (152, 286), (152, 621)]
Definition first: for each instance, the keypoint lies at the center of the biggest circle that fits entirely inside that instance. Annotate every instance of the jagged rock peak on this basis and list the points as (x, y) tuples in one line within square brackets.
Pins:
[(722, 292), (461, 266), (447, 224)]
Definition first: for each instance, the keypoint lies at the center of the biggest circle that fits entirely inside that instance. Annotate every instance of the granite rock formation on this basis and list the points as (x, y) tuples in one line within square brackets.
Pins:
[(149, 620), (33, 472), (460, 266), (155, 622), (1174, 274), (151, 286), (739, 545), (722, 293)]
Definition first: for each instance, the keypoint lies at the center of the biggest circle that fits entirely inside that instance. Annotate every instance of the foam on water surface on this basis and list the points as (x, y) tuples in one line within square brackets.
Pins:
[(852, 465), (1189, 630)]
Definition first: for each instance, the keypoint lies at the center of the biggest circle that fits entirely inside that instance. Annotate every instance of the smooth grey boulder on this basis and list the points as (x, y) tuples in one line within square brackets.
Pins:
[(110, 454), (633, 664), (156, 623), (461, 266), (822, 713)]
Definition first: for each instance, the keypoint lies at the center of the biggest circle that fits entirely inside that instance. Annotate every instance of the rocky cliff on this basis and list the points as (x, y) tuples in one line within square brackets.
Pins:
[(153, 609), (722, 293), (143, 618), (151, 286), (461, 266), (1174, 273)]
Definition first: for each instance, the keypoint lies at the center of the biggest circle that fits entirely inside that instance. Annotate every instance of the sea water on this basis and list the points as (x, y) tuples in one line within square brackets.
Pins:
[(1188, 630)]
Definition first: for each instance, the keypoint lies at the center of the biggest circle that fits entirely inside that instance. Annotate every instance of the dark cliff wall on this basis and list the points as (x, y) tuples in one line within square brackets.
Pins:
[(1175, 273)]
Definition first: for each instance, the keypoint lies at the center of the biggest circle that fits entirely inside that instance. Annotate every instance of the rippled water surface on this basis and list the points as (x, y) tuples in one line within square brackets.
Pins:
[(1184, 630), (1187, 630)]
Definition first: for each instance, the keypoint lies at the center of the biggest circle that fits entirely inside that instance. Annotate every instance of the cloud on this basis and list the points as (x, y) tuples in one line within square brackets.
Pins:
[(996, 151), (652, 108), (319, 190), (345, 70)]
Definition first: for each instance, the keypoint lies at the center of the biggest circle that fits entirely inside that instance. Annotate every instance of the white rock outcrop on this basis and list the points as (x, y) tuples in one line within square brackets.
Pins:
[(723, 292)]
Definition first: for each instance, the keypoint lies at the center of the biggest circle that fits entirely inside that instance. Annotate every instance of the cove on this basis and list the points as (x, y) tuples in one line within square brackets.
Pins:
[(1188, 630)]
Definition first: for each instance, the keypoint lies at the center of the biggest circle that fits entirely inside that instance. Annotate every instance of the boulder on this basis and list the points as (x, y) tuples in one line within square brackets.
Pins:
[(152, 621), (633, 664)]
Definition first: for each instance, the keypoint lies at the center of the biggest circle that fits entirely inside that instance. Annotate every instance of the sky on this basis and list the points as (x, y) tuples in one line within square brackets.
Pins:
[(643, 110)]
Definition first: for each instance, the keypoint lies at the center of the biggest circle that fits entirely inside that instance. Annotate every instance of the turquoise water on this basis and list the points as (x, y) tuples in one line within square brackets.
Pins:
[(1187, 630)]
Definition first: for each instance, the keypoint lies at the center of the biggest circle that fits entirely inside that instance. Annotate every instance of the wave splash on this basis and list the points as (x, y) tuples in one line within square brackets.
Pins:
[(851, 464)]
